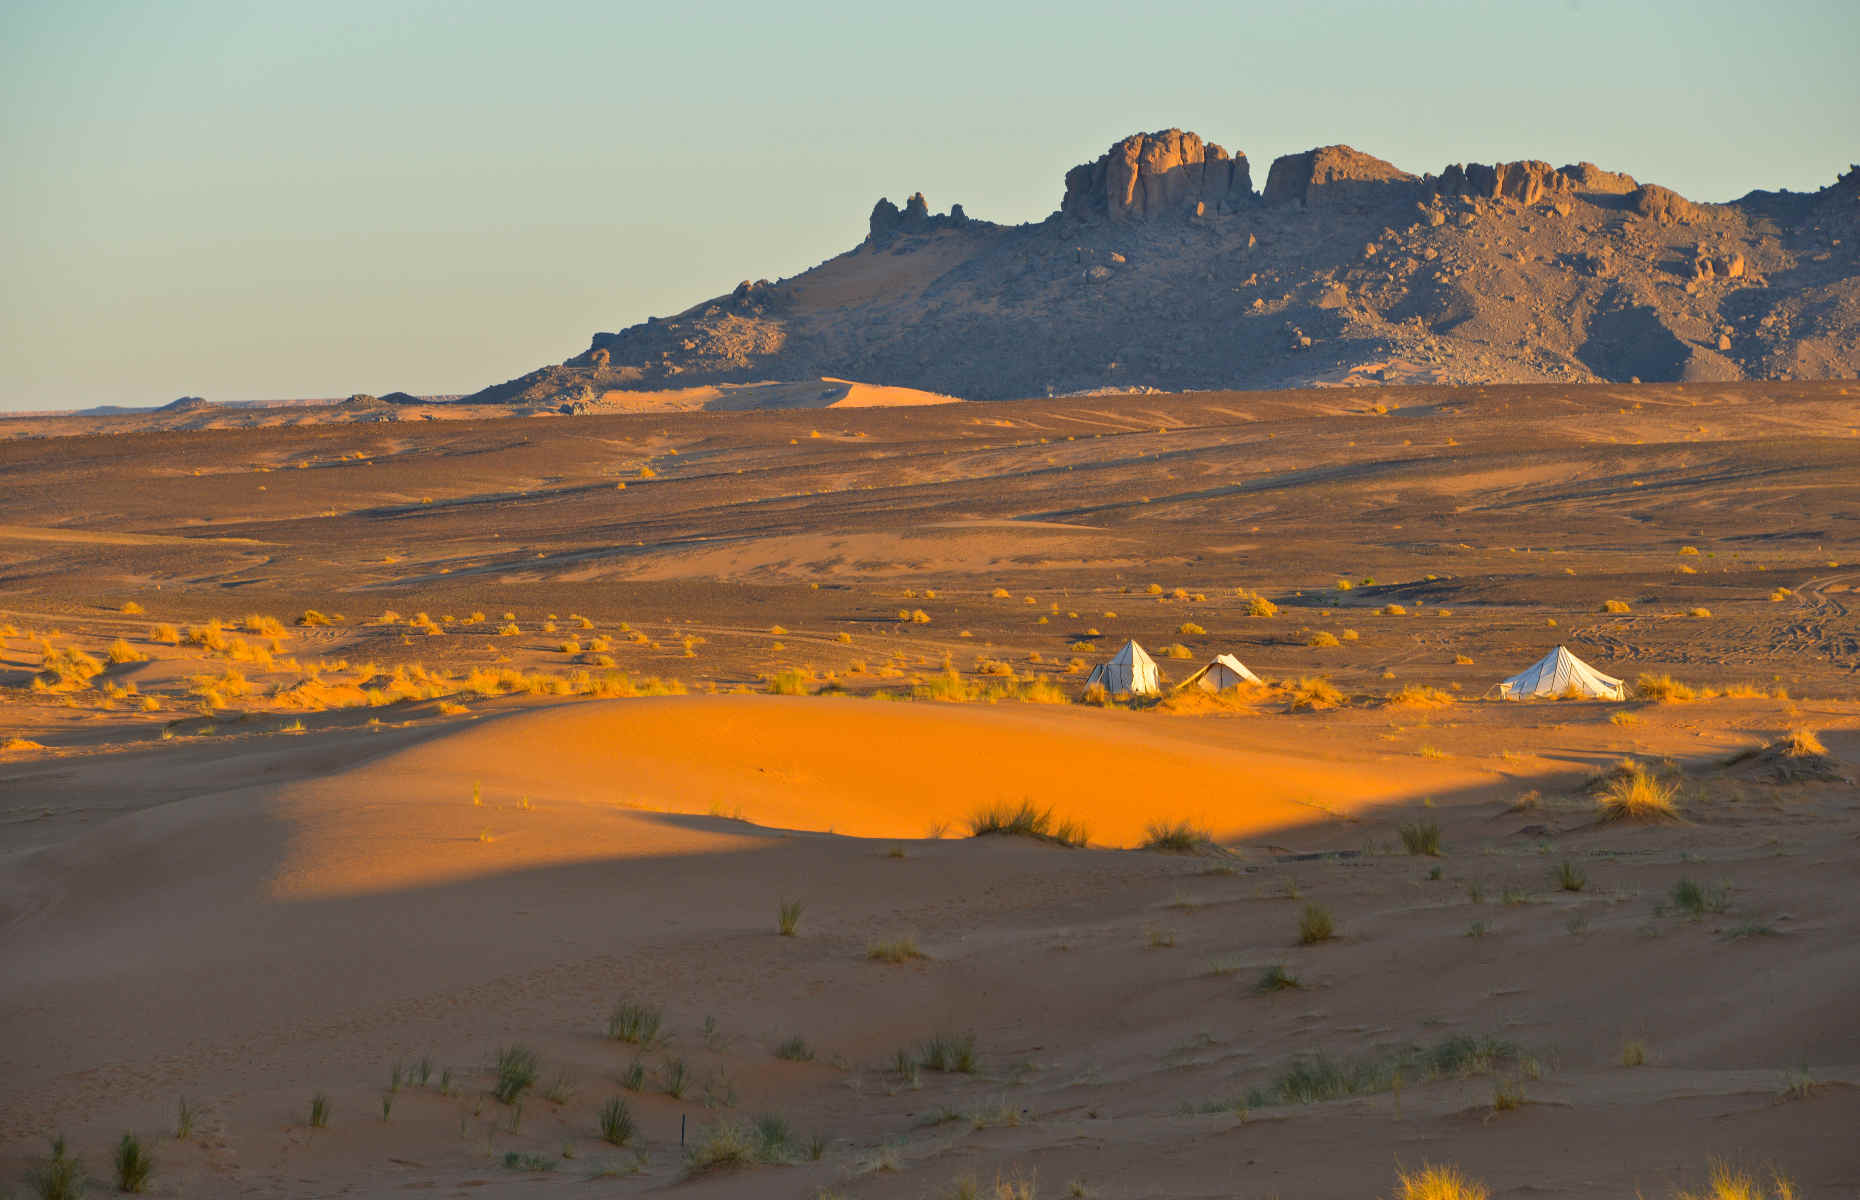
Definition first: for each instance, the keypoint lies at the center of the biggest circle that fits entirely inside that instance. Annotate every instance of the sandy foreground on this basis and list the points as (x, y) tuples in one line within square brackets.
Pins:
[(391, 848)]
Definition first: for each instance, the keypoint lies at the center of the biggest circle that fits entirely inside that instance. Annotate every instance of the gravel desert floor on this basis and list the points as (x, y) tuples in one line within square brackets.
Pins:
[(588, 804)]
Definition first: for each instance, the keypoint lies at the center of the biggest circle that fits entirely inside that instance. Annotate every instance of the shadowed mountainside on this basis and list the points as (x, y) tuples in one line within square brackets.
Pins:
[(1165, 269)]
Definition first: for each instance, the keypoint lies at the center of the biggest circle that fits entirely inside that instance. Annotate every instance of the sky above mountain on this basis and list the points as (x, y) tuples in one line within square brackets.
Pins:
[(246, 201)]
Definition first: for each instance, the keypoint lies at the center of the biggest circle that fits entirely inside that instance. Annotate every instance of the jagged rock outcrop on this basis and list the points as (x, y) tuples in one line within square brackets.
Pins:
[(1662, 204), (1335, 177), (1151, 175), (1165, 270)]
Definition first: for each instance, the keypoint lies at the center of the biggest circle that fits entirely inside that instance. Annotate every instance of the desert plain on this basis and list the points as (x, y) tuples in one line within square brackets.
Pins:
[(536, 804)]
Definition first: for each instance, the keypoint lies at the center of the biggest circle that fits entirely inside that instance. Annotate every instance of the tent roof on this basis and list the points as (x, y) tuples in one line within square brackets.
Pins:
[(1558, 672), (1227, 661)]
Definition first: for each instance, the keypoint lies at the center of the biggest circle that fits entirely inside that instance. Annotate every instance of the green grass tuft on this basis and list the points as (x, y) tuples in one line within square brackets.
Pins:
[(1315, 925), (1175, 837), (635, 1023), (617, 1125), (516, 1073), (788, 917), (1026, 820), (1276, 979), (1421, 837)]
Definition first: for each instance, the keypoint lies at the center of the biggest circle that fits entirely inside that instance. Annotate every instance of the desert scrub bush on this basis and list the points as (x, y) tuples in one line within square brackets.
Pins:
[(951, 1053), (1696, 899), (131, 609), (788, 917), (1419, 695), (1433, 1182), (516, 1069), (1632, 792), (1700, 613), (1312, 694), (508, 629), (1190, 629), (1276, 979), (1634, 1053), (1616, 606), (1177, 650), (635, 1023), (133, 1164), (1025, 819), (121, 651), (1663, 689), (264, 626), (901, 949), (1421, 837), (731, 1145), (1802, 743), (62, 1175), (1259, 606), (311, 618), (165, 635), (1569, 877), (1725, 1182), (1393, 610), (794, 1049), (790, 681), (1323, 639), (674, 1077), (65, 669), (616, 1120), (319, 1111), (1315, 925), (1175, 837), (1316, 1078)]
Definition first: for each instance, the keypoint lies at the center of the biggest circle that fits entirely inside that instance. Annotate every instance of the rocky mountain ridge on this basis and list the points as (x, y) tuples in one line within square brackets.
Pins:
[(1164, 269)]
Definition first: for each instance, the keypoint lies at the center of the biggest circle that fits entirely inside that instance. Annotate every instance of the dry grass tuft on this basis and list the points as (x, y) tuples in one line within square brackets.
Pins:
[(1632, 792), (1615, 606), (1439, 1183), (1322, 639), (1313, 693), (1731, 1183), (1026, 820), (1418, 695), (1802, 743), (1663, 689)]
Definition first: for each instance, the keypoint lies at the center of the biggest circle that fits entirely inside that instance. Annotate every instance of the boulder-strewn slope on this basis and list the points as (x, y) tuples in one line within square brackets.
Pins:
[(1163, 268)]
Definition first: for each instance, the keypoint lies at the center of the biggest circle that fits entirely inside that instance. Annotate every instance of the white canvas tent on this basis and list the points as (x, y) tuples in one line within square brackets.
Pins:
[(1223, 672), (1560, 673), (1131, 670)]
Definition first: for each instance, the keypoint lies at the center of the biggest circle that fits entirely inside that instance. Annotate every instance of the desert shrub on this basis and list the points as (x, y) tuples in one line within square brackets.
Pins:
[(1025, 819), (1421, 837), (1420, 695), (949, 1052), (133, 1164), (726, 1145), (61, 1177), (1698, 612), (1393, 610), (516, 1069), (1323, 639), (1689, 551), (788, 917), (790, 681), (319, 1111), (508, 629), (1663, 689), (1190, 629), (1632, 792), (1276, 979), (795, 1049), (635, 1023), (263, 626), (1313, 693), (1569, 877), (895, 950), (1175, 837), (1259, 606), (1615, 606), (1802, 743), (617, 1125), (311, 617), (1314, 1079), (1634, 1054), (121, 652), (1696, 899), (1726, 1182), (166, 635), (131, 609), (1439, 1183), (65, 669), (1315, 925)]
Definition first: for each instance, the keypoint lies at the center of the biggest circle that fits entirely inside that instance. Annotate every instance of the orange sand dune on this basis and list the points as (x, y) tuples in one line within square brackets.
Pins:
[(854, 767)]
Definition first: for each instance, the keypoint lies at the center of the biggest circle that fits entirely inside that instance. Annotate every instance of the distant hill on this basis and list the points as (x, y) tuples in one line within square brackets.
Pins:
[(1165, 268)]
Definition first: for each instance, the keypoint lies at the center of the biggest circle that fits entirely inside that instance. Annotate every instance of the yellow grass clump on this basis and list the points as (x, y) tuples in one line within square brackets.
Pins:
[(1732, 1183), (1632, 792), (1323, 639), (1190, 629), (130, 609), (65, 669), (264, 626), (1663, 689), (1312, 693), (121, 652), (509, 629), (1615, 606), (1177, 650), (1393, 610), (1439, 1183), (1259, 606), (166, 635), (1420, 695), (1698, 612), (1802, 743)]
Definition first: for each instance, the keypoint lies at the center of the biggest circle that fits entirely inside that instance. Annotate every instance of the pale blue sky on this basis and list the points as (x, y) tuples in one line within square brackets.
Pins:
[(254, 199)]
